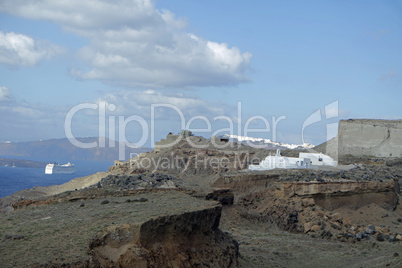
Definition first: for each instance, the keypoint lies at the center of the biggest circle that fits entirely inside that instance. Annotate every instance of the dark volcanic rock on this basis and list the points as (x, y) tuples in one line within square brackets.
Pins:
[(224, 196), (137, 181)]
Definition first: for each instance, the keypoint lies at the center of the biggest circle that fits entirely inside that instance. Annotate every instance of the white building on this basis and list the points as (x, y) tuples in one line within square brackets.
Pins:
[(319, 159), (305, 160)]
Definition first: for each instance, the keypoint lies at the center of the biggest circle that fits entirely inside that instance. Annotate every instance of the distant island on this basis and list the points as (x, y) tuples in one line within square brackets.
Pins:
[(10, 162)]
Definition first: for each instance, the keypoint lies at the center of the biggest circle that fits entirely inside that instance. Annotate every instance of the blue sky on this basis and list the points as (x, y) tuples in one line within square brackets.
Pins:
[(277, 58)]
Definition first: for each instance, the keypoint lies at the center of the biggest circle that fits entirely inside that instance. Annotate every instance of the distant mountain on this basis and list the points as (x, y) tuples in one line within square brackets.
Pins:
[(11, 162), (267, 143), (62, 150)]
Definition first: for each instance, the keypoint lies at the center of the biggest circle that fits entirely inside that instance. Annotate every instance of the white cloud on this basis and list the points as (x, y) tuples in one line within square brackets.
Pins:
[(29, 121), (139, 103), (133, 44), (5, 94), (11, 110), (171, 113), (19, 49), (42, 121)]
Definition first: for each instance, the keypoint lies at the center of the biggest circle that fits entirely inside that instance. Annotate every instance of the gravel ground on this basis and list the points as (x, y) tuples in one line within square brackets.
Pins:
[(263, 244), (59, 232)]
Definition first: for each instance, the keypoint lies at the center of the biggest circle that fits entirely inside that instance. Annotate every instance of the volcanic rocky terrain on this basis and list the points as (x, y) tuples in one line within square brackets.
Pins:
[(185, 206)]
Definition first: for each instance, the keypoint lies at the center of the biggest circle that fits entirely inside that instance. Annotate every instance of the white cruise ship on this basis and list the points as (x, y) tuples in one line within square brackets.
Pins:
[(55, 168)]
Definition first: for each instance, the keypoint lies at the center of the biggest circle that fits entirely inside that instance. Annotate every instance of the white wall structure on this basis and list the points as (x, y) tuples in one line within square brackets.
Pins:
[(305, 160), (319, 159)]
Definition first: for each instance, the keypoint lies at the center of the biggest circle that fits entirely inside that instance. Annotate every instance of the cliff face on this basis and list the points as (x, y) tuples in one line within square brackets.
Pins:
[(353, 188), (317, 202), (352, 194), (363, 137)]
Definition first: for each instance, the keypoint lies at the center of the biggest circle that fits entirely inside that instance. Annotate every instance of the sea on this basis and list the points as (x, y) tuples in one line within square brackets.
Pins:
[(13, 179)]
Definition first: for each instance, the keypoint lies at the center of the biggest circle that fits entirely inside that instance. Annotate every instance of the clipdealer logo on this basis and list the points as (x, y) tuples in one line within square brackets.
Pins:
[(147, 133)]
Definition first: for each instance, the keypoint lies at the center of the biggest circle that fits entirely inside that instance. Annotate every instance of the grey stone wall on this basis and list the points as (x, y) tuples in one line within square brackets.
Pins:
[(367, 137)]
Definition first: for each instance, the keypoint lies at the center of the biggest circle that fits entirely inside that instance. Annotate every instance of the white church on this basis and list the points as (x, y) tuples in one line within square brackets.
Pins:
[(305, 160)]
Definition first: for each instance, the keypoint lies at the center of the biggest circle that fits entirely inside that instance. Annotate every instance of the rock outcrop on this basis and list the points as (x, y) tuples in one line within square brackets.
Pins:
[(187, 240), (155, 229), (313, 201)]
